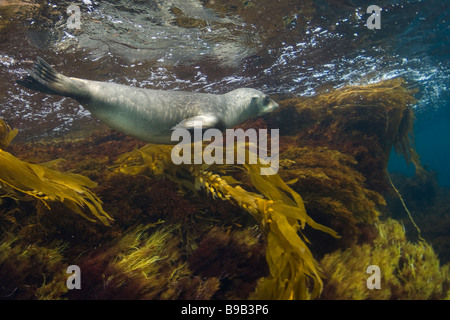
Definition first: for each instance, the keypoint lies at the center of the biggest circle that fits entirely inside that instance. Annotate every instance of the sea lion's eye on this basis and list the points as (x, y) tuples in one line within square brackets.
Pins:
[(266, 100)]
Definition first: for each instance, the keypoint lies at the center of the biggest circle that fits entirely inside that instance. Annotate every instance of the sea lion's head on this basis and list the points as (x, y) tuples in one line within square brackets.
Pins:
[(247, 103), (264, 103), (254, 101)]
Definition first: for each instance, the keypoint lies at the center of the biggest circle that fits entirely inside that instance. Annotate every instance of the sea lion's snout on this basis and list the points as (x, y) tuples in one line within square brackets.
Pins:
[(268, 105), (272, 106)]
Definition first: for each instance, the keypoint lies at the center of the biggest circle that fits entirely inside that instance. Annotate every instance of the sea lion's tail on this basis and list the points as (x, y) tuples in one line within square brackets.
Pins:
[(43, 77)]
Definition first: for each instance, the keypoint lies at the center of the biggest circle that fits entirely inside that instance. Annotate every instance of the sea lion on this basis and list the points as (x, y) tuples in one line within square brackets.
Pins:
[(151, 115)]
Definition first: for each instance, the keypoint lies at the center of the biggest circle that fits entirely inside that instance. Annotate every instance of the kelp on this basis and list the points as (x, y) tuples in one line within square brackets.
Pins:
[(364, 122), (337, 144), (21, 180), (332, 155), (383, 103), (278, 209), (333, 189), (290, 261), (408, 270), (6, 134), (334, 151)]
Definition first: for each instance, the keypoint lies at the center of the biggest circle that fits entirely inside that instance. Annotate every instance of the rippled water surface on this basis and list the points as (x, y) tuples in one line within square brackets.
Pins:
[(280, 47)]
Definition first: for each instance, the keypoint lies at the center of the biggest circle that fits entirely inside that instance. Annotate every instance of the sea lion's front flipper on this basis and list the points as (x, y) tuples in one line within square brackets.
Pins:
[(206, 120)]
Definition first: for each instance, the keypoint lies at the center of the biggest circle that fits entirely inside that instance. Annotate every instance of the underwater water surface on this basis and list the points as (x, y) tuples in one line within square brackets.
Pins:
[(287, 49)]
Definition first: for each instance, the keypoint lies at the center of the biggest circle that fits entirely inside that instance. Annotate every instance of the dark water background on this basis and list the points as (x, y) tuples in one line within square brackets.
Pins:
[(194, 45)]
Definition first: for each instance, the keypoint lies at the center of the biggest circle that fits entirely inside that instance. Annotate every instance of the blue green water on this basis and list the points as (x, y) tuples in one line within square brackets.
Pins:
[(422, 33)]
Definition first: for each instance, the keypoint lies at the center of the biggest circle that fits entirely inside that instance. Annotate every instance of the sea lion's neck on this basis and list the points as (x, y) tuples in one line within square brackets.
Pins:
[(238, 109)]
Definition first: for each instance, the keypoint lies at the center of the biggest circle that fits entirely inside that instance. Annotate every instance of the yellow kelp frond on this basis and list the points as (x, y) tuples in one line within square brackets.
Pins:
[(290, 262), (154, 160), (22, 180), (278, 209), (274, 188), (6, 134)]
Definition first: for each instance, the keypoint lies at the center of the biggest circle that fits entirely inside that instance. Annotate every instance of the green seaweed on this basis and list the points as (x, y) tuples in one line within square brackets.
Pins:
[(26, 269), (145, 263)]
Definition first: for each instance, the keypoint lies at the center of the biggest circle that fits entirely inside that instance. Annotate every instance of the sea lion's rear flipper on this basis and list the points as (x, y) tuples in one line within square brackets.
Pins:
[(206, 120), (43, 77)]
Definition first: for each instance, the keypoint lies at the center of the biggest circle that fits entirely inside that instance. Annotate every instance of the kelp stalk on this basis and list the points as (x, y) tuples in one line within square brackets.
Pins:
[(279, 210), (290, 261)]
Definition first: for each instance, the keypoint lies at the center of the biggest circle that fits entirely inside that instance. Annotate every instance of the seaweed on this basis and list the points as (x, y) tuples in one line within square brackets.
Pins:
[(145, 263), (228, 232), (279, 211), (333, 190), (26, 269), (408, 270), (236, 257), (23, 181), (337, 145), (6, 134), (364, 122)]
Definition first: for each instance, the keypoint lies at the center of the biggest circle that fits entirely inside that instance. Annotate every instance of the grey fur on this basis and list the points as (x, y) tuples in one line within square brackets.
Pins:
[(151, 115)]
